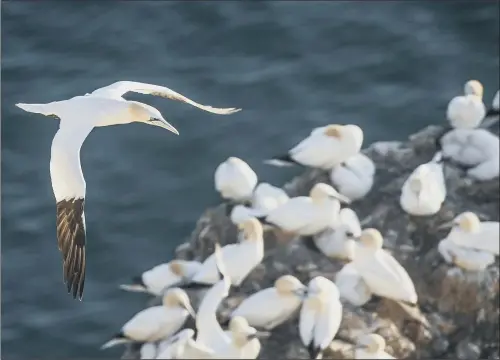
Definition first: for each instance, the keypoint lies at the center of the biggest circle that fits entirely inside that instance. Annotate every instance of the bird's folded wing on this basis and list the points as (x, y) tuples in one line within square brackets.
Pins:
[(121, 87), (71, 241)]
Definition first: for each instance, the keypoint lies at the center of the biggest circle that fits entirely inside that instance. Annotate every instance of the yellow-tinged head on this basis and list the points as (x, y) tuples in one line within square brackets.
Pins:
[(372, 238)]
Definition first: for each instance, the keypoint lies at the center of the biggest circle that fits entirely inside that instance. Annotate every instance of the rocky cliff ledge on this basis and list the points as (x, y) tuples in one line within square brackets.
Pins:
[(462, 308)]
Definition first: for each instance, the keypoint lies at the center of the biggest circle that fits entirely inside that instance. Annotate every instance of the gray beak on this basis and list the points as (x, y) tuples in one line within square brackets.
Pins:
[(190, 310), (259, 335), (301, 293), (341, 198), (446, 225), (163, 124)]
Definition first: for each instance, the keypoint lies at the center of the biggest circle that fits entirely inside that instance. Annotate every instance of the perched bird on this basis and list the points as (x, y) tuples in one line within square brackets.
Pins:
[(157, 322), (332, 241), (239, 259), (465, 258), (241, 213), (307, 215), (424, 192), (78, 116), (271, 307), (469, 232), (371, 346), (235, 180), (354, 177), (384, 275), (183, 346), (468, 110), (320, 316), (475, 149), (351, 286), (244, 340), (324, 148), (162, 276)]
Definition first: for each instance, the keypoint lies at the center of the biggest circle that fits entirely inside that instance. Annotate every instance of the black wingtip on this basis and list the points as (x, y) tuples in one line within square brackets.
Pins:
[(314, 352), (194, 286), (492, 112), (310, 244), (137, 280)]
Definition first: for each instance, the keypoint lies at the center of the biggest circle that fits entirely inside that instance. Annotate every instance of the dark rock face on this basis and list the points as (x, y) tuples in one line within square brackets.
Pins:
[(462, 307)]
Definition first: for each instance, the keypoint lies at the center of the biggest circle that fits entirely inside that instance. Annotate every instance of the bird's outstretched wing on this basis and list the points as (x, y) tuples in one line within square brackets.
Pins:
[(71, 241), (119, 88)]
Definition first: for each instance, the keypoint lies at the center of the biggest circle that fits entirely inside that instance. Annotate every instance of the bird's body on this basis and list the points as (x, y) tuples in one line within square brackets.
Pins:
[(354, 177), (78, 116), (465, 258), (267, 197), (271, 307), (424, 192), (308, 215), (465, 111), (156, 323), (351, 286), (325, 147), (332, 241), (235, 180), (183, 346), (371, 346), (320, 316), (162, 276)]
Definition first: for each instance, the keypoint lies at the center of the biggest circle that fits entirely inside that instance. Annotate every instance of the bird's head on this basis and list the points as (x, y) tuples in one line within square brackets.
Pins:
[(323, 191), (177, 297), (372, 239), (467, 222), (149, 115), (474, 87), (290, 285), (252, 229)]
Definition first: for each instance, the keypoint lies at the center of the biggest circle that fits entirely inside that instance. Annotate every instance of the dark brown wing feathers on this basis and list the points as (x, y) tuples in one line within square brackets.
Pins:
[(71, 241)]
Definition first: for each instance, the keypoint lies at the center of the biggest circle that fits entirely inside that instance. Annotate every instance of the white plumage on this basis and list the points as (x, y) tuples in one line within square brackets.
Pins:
[(424, 192), (332, 242), (325, 147), (239, 259), (465, 258), (78, 116), (475, 148), (244, 340), (271, 307), (162, 276), (351, 286), (468, 110), (469, 232), (235, 180), (371, 346), (308, 215), (183, 346), (354, 177), (320, 316), (157, 322), (267, 197)]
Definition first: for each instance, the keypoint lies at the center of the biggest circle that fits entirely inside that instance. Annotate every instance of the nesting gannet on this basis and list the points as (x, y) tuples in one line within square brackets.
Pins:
[(465, 258), (78, 116), (244, 340), (267, 197), (241, 213), (476, 149), (351, 286), (150, 350), (332, 241), (271, 307), (354, 177), (162, 276), (308, 215), (424, 191), (183, 346), (157, 322), (468, 110), (324, 148), (469, 232), (239, 259), (320, 316), (371, 346), (235, 180)]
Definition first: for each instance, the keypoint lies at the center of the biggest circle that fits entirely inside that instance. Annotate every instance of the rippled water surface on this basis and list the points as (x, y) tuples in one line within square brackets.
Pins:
[(390, 67)]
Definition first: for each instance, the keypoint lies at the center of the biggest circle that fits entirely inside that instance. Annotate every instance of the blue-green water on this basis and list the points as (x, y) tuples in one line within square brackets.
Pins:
[(390, 67)]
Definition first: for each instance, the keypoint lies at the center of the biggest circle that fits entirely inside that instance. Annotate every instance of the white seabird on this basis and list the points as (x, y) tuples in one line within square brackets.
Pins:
[(476, 149), (157, 322), (273, 306), (183, 346), (235, 180), (308, 215), (424, 192), (78, 116), (244, 340), (371, 346), (465, 258), (162, 276), (332, 242), (239, 259), (354, 177), (351, 286), (468, 110), (469, 232), (320, 316), (324, 148)]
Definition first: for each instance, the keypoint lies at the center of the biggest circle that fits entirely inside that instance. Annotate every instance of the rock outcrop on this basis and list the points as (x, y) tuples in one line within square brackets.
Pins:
[(462, 308)]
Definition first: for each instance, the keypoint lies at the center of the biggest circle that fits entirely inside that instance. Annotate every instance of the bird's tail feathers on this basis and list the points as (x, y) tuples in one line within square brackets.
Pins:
[(133, 288), (282, 160), (36, 108), (116, 340)]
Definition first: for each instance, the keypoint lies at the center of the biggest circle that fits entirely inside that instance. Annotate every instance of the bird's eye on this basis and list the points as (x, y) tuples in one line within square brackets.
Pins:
[(343, 164), (349, 234)]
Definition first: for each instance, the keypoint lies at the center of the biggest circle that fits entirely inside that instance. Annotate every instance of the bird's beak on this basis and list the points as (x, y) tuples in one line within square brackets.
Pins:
[(163, 124), (190, 310), (446, 225), (301, 293), (341, 198), (259, 335)]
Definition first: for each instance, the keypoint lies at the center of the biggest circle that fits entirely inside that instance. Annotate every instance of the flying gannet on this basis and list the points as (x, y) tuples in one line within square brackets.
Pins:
[(324, 148), (78, 116)]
